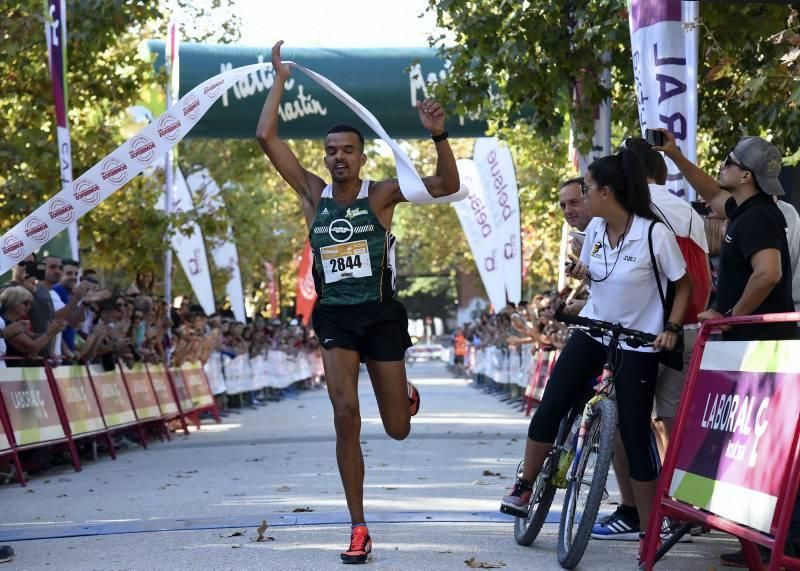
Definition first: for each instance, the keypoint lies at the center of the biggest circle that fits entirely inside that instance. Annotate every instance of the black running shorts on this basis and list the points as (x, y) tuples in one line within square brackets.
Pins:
[(377, 330)]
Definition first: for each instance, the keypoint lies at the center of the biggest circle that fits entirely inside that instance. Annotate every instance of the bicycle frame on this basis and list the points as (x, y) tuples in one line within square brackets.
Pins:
[(603, 391)]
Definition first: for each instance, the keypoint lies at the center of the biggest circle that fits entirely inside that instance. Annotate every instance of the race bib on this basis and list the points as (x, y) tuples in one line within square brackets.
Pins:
[(345, 261)]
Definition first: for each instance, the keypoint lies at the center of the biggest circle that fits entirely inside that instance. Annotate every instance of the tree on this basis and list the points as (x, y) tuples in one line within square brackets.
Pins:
[(516, 63)]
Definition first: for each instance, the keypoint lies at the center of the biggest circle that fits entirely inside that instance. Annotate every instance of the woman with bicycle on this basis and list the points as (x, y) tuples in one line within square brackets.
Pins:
[(616, 262)]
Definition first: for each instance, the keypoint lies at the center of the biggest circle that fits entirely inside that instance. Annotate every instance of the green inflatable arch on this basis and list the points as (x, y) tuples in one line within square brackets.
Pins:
[(388, 82)]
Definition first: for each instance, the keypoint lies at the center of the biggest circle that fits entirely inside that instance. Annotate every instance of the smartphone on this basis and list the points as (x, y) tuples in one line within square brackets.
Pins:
[(701, 207), (33, 269), (653, 137)]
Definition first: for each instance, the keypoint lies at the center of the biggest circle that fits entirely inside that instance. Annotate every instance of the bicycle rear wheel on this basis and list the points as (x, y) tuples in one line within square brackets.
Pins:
[(526, 530), (585, 490)]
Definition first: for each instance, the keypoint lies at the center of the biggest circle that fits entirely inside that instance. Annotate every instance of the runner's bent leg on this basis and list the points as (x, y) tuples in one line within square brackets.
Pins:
[(391, 391), (341, 373)]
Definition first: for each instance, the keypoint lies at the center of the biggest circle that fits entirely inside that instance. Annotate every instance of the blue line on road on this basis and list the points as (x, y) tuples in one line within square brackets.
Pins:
[(66, 530)]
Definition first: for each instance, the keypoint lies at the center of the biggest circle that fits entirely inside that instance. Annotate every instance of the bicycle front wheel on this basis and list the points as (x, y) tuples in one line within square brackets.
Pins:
[(585, 490)]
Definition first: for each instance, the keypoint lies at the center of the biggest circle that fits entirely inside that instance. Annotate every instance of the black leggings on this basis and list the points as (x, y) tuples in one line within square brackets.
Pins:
[(582, 358)]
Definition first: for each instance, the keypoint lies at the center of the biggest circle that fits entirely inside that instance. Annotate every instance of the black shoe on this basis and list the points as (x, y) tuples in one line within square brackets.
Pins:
[(737, 559), (6, 553)]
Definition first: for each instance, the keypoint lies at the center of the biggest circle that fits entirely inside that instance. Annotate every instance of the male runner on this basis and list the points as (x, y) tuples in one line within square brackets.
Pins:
[(356, 316)]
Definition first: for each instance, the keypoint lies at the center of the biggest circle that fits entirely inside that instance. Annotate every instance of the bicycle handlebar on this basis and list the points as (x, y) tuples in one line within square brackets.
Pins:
[(633, 337)]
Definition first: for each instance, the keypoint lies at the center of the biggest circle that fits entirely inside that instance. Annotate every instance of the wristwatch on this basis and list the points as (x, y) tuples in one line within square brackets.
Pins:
[(440, 137), (674, 327)]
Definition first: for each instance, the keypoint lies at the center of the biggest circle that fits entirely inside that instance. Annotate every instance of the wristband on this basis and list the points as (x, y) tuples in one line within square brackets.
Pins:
[(440, 137), (673, 327)]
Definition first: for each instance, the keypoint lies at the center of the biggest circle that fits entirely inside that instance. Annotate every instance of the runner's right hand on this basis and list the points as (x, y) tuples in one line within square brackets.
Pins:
[(282, 70)]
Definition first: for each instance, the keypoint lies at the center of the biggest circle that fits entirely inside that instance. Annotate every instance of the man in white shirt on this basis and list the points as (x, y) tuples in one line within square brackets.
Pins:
[(793, 236)]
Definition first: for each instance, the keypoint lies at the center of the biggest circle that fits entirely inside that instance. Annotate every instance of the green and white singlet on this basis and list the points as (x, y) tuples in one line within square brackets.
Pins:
[(354, 255)]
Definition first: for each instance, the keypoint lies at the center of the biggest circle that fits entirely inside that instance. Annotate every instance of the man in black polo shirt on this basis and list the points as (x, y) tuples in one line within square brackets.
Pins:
[(755, 274)]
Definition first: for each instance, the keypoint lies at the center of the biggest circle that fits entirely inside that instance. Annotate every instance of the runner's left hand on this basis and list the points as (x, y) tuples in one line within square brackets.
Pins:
[(431, 115)]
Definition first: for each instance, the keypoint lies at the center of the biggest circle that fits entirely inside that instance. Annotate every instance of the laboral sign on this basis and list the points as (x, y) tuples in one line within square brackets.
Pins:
[(739, 430)]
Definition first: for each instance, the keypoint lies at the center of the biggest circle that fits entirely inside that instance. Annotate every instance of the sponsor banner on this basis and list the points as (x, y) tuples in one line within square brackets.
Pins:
[(742, 417), (142, 394), (306, 292), (480, 228), (496, 168), (225, 254), (80, 403), (30, 405), (182, 391), (114, 400), (664, 52), (166, 399), (154, 140), (55, 30), (191, 248), (197, 385)]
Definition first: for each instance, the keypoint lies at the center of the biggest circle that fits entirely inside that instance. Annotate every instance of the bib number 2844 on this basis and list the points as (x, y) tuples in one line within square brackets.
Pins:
[(345, 261)]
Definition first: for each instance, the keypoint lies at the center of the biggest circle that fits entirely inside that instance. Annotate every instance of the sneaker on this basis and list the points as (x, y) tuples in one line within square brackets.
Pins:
[(6, 553), (413, 399), (518, 501), (360, 546), (620, 525), (737, 559)]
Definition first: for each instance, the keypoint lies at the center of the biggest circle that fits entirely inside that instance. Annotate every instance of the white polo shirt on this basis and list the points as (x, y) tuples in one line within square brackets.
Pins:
[(680, 215), (793, 236), (630, 295)]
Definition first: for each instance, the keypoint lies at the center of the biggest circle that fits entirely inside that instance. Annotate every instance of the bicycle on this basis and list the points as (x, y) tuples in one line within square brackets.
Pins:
[(581, 454)]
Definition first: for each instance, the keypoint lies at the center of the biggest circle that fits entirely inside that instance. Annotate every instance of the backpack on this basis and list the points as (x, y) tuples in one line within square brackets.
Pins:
[(673, 358), (696, 266)]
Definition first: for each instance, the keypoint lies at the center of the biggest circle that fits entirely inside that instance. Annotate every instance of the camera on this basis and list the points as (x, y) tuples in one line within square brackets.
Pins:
[(654, 138), (35, 269)]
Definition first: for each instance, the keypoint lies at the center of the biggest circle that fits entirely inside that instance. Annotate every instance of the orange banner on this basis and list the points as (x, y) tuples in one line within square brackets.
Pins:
[(161, 385), (80, 403), (197, 385), (110, 387), (30, 405), (306, 293), (142, 394)]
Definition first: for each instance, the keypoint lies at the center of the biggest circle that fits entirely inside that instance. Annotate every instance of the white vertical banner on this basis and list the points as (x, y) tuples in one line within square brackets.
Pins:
[(190, 248), (225, 254), (664, 53), (496, 169), (479, 226)]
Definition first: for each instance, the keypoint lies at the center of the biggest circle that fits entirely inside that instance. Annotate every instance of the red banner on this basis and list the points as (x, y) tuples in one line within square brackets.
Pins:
[(80, 403), (197, 385), (306, 293), (161, 385), (30, 405), (144, 399), (110, 387)]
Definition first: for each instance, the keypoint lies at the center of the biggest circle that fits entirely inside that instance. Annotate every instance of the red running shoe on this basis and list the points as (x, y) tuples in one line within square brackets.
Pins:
[(413, 399), (360, 546)]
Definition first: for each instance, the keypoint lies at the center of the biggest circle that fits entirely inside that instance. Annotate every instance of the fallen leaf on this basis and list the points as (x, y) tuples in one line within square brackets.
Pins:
[(475, 564), (480, 483), (28, 491), (236, 546), (61, 496), (284, 489), (261, 459), (490, 473), (444, 551), (261, 529), (389, 488), (235, 534), (305, 509)]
